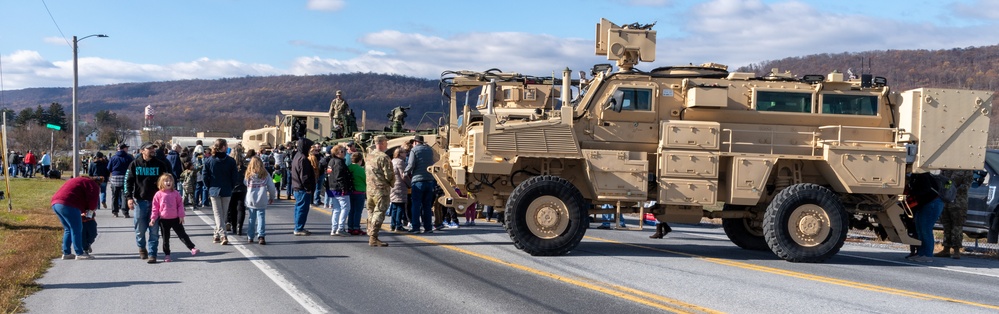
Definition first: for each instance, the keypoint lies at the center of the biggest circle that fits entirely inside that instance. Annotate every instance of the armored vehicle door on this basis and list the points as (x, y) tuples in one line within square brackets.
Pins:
[(628, 114)]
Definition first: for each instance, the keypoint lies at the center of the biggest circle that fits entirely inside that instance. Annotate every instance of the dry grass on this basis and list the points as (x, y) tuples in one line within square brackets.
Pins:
[(30, 237)]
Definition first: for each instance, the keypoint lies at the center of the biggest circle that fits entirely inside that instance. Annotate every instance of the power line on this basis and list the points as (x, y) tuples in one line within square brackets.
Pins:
[(56, 24)]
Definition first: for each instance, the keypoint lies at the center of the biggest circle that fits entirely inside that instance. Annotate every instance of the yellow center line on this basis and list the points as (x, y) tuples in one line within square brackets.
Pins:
[(829, 280), (626, 293)]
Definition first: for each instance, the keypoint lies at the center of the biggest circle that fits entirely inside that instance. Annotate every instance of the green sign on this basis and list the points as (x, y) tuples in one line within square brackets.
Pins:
[(53, 126)]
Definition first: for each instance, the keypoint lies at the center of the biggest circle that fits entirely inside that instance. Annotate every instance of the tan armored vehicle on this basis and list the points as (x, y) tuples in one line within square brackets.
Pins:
[(795, 162)]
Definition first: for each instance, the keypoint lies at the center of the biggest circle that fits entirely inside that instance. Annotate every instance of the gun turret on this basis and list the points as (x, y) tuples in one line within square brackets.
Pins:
[(628, 44)]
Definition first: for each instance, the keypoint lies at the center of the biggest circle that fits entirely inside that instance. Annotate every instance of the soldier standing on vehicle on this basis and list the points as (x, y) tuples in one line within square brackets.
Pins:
[(338, 115), (954, 214), (381, 178)]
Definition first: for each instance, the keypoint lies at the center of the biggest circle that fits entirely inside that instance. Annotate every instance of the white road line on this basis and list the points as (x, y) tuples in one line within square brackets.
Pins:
[(310, 305), (868, 258)]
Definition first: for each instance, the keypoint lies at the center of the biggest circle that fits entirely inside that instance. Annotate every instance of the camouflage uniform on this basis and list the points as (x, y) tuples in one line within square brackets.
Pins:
[(955, 213), (380, 179), (338, 115)]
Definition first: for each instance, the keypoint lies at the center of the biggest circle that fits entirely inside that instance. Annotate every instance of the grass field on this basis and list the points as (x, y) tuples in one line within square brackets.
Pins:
[(30, 237)]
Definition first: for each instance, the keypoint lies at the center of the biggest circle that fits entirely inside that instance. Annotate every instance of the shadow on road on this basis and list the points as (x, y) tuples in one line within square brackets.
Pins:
[(104, 285)]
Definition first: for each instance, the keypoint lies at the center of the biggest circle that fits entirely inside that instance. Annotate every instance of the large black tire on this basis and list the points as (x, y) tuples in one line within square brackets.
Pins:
[(546, 216), (805, 223), (744, 232)]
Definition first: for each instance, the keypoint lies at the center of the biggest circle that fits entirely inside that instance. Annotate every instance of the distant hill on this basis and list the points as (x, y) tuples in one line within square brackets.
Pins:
[(970, 68), (236, 104)]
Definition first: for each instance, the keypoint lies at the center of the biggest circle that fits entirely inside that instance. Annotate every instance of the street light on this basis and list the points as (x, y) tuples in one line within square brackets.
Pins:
[(76, 83)]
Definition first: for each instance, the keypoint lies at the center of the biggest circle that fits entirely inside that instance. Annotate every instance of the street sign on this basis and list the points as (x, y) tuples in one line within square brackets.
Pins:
[(53, 126)]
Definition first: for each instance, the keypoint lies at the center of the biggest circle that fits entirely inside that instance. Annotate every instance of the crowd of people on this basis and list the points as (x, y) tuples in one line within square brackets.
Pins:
[(28, 164), (157, 184)]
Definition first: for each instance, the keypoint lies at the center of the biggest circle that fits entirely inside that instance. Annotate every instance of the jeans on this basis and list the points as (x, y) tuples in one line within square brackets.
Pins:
[(143, 212), (395, 211), (45, 170), (926, 216), (423, 198), (104, 193), (320, 186), (356, 208), (220, 209), (118, 201), (255, 223), (31, 173), (72, 226), (202, 190), (303, 200), (608, 219), (341, 208)]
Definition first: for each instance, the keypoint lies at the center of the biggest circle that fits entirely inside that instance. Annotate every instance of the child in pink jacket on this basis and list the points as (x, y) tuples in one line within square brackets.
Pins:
[(168, 209)]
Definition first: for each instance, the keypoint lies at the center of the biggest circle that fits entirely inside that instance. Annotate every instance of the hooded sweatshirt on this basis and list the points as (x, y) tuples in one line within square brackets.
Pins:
[(167, 205), (142, 178), (220, 175), (259, 191), (119, 163), (303, 176)]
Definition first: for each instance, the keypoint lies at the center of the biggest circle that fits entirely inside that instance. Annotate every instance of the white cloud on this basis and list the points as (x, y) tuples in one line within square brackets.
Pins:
[(650, 3), (427, 56), (742, 32), (55, 40), (24, 69), (325, 5), (982, 9)]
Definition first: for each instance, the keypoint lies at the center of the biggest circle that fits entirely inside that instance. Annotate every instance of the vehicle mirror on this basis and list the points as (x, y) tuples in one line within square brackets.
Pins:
[(614, 103)]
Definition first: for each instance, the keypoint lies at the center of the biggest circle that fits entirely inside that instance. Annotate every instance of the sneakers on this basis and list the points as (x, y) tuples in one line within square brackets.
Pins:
[(151, 260), (225, 240), (260, 240), (89, 250), (127, 216), (216, 239), (195, 251), (303, 232), (342, 233), (166, 259), (143, 254), (68, 256), (84, 257), (249, 240), (469, 223)]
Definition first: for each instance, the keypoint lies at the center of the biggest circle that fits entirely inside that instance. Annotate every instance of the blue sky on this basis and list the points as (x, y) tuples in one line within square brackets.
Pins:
[(207, 39)]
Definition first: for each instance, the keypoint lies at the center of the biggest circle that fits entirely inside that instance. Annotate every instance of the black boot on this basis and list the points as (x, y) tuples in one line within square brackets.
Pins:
[(662, 229)]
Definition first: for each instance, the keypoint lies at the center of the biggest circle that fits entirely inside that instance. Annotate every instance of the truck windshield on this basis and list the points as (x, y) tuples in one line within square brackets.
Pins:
[(783, 102), (864, 105)]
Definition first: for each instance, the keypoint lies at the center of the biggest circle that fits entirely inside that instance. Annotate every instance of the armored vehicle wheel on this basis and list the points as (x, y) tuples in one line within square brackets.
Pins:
[(744, 232), (545, 216), (805, 223)]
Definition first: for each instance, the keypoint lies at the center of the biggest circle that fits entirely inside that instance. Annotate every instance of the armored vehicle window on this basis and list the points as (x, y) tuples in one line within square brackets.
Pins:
[(783, 102), (864, 105), (636, 99), (315, 123)]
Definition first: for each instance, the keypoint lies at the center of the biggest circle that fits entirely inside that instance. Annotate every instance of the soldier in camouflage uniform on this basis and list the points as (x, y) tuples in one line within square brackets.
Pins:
[(954, 214), (380, 179), (338, 115)]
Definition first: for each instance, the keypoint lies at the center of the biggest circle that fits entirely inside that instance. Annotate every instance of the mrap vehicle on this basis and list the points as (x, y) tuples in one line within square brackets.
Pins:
[(795, 161)]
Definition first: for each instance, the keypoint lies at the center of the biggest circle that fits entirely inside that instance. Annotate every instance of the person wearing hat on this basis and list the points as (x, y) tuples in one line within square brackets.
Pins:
[(99, 169), (338, 114), (423, 185), (141, 184), (118, 165)]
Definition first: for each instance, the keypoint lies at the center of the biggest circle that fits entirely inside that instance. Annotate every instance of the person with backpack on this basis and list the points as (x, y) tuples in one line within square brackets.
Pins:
[(925, 189), (955, 213)]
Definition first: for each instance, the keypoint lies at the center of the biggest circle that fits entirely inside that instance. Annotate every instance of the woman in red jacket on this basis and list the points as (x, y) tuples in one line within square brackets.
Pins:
[(76, 197)]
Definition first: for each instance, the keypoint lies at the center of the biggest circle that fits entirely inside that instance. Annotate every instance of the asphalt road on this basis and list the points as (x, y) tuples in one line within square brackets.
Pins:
[(477, 269)]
